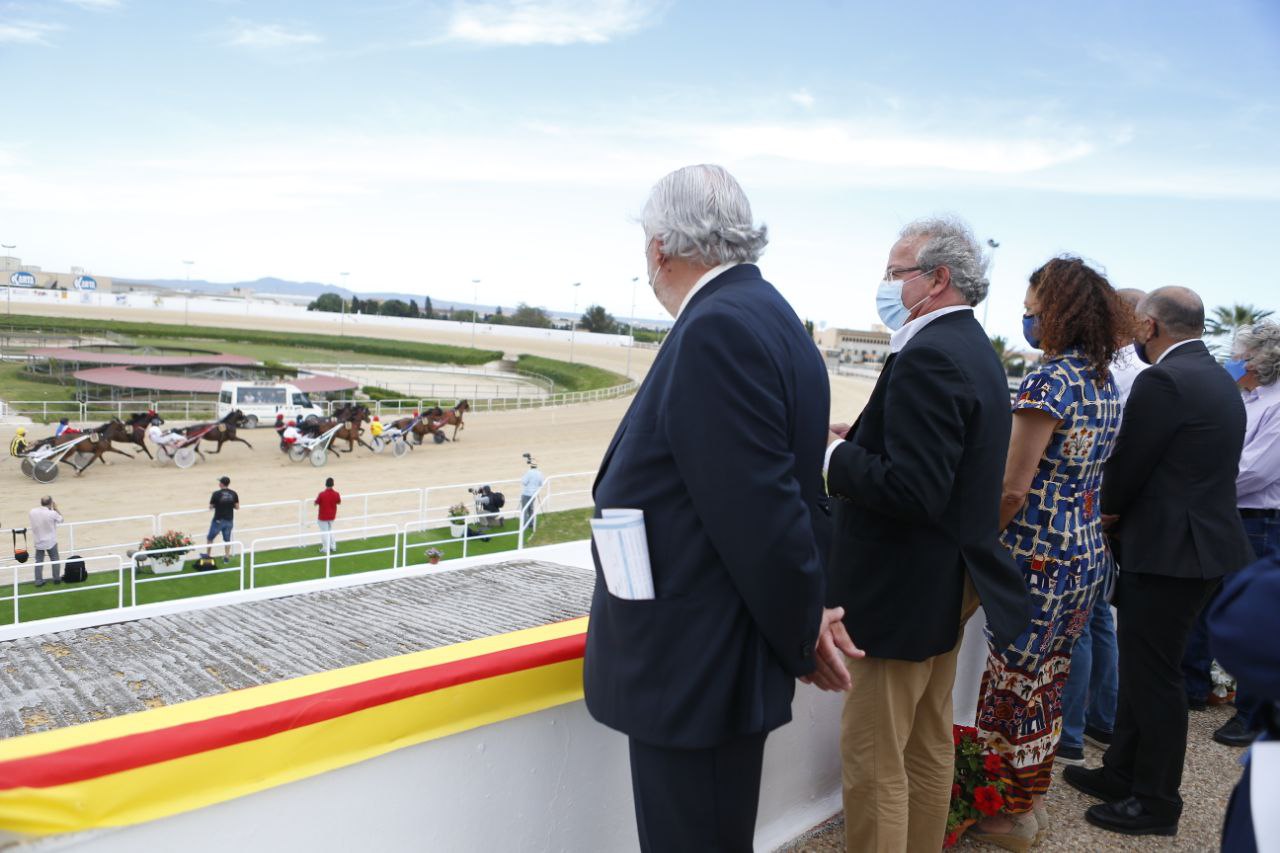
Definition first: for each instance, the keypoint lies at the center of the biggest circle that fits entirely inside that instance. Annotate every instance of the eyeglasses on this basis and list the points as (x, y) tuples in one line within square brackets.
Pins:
[(890, 273)]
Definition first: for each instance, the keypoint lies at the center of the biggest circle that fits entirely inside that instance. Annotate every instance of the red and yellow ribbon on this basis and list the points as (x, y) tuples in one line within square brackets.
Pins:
[(165, 761)]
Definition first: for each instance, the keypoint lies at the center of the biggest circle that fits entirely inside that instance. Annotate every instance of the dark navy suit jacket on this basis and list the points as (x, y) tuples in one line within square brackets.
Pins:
[(722, 448)]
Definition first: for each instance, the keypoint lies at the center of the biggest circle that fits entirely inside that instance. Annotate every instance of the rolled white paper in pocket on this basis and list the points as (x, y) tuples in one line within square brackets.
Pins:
[(623, 548)]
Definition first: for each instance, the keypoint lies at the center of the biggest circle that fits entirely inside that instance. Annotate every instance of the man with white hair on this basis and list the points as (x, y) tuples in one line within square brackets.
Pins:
[(916, 488), (722, 451)]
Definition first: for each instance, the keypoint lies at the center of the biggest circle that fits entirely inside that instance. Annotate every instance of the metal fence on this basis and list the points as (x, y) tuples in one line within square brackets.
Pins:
[(94, 411), (256, 563)]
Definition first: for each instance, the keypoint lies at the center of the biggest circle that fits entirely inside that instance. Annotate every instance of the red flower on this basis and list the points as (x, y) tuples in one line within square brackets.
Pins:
[(955, 791), (992, 764), (955, 735), (987, 800), (951, 840)]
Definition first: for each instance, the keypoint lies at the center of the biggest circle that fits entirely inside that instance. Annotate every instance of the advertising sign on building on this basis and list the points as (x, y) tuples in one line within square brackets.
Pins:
[(22, 279), (85, 282)]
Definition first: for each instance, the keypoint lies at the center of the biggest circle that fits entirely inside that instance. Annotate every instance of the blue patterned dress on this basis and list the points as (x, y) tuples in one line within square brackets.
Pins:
[(1057, 541)]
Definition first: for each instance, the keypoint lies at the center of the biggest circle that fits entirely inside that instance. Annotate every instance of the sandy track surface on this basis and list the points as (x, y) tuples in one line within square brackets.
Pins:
[(563, 439)]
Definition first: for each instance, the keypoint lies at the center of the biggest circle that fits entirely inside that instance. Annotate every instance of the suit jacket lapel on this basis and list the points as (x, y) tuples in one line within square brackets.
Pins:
[(876, 391)]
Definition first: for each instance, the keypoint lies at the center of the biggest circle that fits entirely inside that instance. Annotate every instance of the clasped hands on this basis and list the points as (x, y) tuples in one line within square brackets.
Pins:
[(832, 645)]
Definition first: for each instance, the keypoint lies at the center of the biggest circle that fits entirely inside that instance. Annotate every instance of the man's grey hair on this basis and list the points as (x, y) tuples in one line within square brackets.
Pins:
[(1259, 345), (950, 243), (47, 500), (1179, 311), (700, 213)]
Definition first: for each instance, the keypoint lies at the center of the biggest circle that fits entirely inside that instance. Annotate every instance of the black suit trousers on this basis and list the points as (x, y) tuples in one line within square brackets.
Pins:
[(1156, 614), (697, 799)]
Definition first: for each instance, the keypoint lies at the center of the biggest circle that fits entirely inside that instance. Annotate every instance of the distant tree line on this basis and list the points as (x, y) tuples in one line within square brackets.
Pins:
[(594, 319)]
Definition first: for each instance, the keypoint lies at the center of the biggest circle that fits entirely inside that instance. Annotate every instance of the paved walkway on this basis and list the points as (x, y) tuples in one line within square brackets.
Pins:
[(1211, 771)]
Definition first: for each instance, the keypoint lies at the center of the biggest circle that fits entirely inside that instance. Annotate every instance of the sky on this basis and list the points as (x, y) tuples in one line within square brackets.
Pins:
[(419, 146)]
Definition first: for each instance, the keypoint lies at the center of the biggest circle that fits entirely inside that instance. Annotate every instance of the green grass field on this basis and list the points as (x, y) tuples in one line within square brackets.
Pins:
[(101, 591)]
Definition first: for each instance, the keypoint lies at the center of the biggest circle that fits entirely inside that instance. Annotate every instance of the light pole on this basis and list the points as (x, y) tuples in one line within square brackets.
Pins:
[(991, 262), (573, 319), (342, 321), (8, 287), (186, 304), (475, 308), (631, 326)]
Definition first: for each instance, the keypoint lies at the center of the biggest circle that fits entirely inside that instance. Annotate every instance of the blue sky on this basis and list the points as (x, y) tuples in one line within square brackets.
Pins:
[(421, 145)]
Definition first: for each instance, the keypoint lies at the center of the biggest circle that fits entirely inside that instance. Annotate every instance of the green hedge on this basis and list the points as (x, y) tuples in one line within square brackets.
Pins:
[(570, 377), (435, 353), (373, 392)]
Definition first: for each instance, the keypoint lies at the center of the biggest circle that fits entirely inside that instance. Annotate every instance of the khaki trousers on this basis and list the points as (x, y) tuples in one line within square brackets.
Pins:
[(899, 756)]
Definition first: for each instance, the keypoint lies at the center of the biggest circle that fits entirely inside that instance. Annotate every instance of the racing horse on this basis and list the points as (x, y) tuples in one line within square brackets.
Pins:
[(351, 420), (220, 431), (421, 425), (100, 444), (136, 427), (453, 418)]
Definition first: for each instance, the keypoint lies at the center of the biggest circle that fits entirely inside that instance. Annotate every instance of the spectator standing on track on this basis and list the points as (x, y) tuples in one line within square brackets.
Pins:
[(328, 501), (224, 503), (43, 522), (530, 485)]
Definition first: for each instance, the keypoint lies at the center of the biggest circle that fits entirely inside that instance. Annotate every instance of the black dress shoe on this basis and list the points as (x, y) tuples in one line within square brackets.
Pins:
[(1130, 818), (1101, 738), (1235, 732), (1197, 704), (1094, 783)]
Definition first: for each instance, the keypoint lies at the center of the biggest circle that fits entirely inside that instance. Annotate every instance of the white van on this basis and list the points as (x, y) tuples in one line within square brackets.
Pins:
[(261, 401)]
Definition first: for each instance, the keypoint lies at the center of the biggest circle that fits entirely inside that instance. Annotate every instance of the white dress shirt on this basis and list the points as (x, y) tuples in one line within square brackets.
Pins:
[(1165, 354), (1125, 368), (700, 283), (897, 341)]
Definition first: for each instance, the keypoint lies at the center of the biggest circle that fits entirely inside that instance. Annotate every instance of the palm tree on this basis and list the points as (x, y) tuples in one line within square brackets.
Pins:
[(1227, 318), (1009, 358)]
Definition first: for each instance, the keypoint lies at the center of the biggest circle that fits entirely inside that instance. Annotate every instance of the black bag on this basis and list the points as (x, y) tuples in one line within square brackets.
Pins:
[(73, 570), (206, 563), (20, 554), (497, 500)]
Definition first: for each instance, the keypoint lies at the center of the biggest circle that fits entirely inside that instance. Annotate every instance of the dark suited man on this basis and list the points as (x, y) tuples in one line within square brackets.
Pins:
[(722, 450), (1171, 484), (916, 491)]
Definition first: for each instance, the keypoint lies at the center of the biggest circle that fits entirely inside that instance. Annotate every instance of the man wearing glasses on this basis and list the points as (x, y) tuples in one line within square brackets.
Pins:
[(916, 488)]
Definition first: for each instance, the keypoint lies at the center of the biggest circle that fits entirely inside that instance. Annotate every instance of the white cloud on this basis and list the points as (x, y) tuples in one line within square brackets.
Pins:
[(804, 98), (94, 5), (26, 32), (556, 22), (249, 34)]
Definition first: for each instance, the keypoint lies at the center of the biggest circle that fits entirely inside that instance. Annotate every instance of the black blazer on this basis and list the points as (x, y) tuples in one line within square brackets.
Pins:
[(916, 492), (1172, 476), (722, 449)]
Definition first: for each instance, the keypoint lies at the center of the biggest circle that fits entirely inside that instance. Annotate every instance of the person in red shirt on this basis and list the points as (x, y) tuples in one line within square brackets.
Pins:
[(328, 501)]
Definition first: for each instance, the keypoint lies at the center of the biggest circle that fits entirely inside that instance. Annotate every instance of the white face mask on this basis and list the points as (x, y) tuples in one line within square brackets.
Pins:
[(889, 302), (653, 273)]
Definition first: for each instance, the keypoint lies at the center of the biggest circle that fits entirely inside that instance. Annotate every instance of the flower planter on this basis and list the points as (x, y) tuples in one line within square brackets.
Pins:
[(165, 567), (457, 531), (433, 560)]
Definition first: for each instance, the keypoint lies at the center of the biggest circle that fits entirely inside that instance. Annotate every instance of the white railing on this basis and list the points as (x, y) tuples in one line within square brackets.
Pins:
[(103, 565), (93, 411), (182, 555), (301, 540)]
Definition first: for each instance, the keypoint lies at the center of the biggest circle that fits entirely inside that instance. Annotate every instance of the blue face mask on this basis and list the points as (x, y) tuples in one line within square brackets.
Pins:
[(1140, 347), (1237, 367), (1030, 331), (889, 305)]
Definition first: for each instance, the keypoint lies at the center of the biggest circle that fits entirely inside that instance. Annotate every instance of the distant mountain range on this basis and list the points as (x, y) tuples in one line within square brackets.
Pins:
[(312, 289)]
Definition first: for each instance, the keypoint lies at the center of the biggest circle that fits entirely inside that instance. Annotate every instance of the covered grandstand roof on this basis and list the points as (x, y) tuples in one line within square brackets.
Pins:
[(82, 356), (126, 377)]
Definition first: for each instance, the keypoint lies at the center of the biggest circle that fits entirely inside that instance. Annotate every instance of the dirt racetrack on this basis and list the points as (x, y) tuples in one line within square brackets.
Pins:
[(563, 439)]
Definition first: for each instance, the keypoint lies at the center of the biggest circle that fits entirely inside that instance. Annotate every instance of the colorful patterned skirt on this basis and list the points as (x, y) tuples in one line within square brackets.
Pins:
[(1020, 705)]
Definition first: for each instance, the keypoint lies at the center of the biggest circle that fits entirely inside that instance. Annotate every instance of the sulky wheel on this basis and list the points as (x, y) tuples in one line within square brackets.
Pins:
[(185, 457), (400, 448), (28, 467), (438, 437), (297, 452), (377, 444), (45, 471), (319, 456)]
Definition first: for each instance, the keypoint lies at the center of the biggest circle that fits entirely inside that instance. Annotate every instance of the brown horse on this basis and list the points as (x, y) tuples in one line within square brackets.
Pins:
[(101, 444), (136, 427), (220, 431), (351, 419), (454, 417), (421, 425)]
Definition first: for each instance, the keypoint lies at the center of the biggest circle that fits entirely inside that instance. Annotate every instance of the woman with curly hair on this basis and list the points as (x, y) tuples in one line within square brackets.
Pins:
[(1066, 417)]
